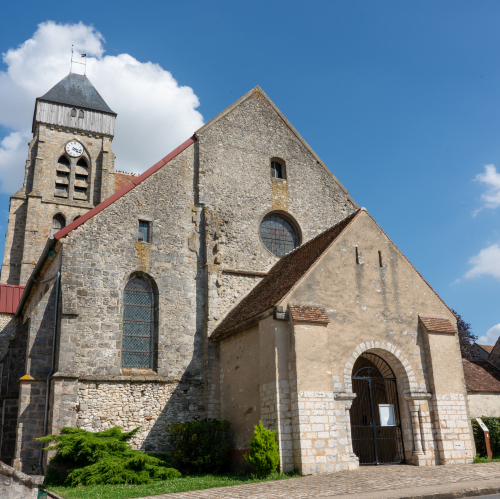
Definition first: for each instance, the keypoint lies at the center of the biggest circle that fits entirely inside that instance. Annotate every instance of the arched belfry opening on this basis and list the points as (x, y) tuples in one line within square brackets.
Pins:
[(375, 414)]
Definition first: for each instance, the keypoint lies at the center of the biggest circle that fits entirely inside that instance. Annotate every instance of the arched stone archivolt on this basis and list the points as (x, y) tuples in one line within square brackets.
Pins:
[(388, 351)]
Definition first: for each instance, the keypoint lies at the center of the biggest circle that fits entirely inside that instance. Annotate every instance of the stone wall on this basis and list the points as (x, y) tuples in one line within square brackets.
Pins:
[(129, 404), (103, 254), (17, 485), (236, 188), (12, 368)]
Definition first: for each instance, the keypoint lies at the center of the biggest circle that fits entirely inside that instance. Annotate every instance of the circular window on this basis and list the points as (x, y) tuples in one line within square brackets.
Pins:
[(278, 235)]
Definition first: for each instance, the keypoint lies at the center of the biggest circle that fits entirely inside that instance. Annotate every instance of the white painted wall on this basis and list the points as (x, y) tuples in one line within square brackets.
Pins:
[(484, 404)]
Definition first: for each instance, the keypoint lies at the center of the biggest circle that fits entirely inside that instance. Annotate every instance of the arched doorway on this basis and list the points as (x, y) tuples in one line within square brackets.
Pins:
[(375, 416)]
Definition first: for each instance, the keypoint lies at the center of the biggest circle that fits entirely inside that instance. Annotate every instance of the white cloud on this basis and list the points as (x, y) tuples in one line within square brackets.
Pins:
[(155, 113), (491, 198), (486, 262), (491, 336)]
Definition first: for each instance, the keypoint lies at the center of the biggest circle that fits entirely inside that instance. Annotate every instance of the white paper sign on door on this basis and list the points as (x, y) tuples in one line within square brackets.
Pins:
[(386, 413)]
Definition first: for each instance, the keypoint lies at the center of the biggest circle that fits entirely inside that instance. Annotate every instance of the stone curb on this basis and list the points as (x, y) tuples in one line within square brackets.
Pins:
[(53, 495), (28, 480), (483, 491), (473, 492)]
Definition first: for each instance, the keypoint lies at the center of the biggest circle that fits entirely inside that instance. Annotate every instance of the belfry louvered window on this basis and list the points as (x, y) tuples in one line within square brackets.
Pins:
[(138, 324)]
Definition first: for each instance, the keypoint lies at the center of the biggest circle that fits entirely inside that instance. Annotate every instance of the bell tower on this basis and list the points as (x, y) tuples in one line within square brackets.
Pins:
[(69, 170)]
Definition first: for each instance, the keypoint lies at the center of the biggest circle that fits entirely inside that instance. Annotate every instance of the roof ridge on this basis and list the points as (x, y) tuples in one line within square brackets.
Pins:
[(301, 139), (127, 188)]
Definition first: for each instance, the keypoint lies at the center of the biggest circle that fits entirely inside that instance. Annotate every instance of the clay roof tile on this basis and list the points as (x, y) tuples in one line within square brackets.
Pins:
[(308, 313), (437, 325), (481, 376)]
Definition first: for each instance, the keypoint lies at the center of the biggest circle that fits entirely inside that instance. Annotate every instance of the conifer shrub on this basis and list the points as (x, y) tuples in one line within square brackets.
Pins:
[(264, 454), (104, 458), (202, 445)]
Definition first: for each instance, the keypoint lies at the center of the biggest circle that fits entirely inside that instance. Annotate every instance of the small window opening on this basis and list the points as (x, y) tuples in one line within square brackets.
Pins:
[(380, 259), (81, 190), (81, 162), (63, 160), (58, 223), (143, 234), (80, 114), (357, 255), (83, 178), (73, 113), (277, 170)]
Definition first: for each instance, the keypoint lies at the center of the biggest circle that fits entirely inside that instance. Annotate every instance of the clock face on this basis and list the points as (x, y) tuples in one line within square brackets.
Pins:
[(74, 148)]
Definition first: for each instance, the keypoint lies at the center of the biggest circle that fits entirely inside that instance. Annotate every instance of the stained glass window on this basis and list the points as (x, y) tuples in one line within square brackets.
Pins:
[(138, 318), (278, 235)]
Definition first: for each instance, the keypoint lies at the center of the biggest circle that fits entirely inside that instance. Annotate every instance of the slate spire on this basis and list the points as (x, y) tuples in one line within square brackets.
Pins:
[(77, 90)]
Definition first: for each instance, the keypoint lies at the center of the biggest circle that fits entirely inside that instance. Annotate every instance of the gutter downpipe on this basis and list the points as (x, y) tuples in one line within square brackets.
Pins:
[(47, 383)]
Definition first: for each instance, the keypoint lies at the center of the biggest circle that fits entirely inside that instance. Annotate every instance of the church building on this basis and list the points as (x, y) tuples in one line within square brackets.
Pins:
[(234, 279)]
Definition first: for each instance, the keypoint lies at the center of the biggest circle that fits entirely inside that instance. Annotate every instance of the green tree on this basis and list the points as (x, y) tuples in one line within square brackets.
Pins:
[(466, 338), (264, 455)]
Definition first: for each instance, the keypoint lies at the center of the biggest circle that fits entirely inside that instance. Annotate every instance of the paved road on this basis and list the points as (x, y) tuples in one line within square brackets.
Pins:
[(366, 482)]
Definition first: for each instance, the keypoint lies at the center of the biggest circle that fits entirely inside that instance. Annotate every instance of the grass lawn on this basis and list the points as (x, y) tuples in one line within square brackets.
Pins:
[(183, 484), (486, 460)]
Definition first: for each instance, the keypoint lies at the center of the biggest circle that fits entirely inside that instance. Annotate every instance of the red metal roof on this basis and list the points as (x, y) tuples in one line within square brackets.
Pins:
[(9, 298), (117, 195)]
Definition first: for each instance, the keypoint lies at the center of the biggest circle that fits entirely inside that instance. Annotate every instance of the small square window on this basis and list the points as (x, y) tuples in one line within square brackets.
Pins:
[(143, 234)]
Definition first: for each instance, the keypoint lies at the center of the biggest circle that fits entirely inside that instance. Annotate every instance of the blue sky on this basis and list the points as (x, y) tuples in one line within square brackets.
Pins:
[(400, 99)]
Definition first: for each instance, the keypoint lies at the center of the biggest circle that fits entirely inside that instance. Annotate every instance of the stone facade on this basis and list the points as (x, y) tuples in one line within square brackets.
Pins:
[(204, 257), (304, 362)]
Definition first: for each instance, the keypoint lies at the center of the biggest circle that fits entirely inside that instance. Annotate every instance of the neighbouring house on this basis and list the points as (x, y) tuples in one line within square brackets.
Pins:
[(482, 380), (482, 351), (236, 279)]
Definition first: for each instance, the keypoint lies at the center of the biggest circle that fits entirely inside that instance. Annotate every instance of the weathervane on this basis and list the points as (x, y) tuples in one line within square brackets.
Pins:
[(76, 62)]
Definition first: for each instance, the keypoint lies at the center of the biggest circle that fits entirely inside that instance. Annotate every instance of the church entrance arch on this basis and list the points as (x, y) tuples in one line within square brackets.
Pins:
[(375, 415)]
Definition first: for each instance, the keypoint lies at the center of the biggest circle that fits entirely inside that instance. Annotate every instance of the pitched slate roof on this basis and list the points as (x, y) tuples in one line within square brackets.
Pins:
[(486, 348), (76, 90), (437, 325), (308, 313), (481, 376), (281, 279)]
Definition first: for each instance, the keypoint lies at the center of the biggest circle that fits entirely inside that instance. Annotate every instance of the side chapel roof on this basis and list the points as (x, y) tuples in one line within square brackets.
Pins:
[(77, 90), (481, 376)]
